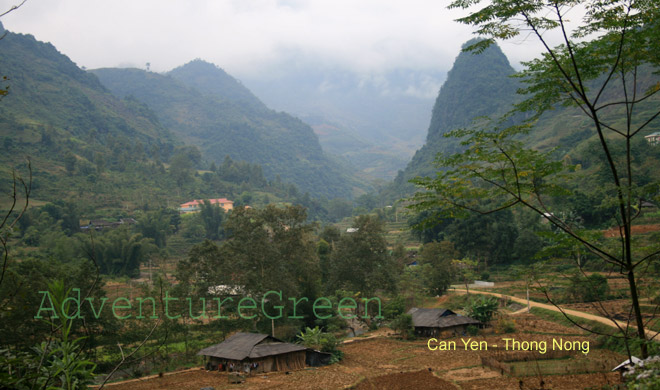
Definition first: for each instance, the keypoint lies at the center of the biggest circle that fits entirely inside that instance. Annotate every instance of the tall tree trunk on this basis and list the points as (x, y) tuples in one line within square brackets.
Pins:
[(638, 315)]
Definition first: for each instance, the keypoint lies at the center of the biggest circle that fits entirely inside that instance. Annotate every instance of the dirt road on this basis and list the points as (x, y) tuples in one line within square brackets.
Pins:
[(603, 320)]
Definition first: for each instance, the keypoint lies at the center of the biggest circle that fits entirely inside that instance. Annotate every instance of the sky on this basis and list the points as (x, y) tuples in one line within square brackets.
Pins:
[(253, 38)]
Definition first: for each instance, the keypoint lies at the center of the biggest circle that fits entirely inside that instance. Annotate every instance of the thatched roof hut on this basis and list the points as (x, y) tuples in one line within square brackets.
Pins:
[(254, 352)]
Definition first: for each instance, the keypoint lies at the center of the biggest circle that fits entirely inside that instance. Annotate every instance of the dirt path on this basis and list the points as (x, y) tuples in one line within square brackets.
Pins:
[(603, 320)]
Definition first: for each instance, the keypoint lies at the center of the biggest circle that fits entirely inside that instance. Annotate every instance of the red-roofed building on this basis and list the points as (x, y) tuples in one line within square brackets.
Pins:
[(196, 205)]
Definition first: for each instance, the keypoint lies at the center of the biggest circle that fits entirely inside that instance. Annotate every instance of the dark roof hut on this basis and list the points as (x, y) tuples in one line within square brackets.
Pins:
[(317, 358), (249, 352), (436, 322)]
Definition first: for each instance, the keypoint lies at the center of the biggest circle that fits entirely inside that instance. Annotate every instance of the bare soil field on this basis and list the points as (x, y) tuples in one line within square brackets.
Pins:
[(388, 363), (616, 308), (619, 309), (552, 382), (412, 380), (635, 229)]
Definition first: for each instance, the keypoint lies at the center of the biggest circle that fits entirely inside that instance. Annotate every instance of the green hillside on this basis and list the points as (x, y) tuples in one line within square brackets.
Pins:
[(481, 85), (192, 103), (214, 82), (80, 138), (477, 85), (108, 156)]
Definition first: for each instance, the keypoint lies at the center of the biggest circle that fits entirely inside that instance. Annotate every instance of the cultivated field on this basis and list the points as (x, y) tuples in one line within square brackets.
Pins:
[(389, 363)]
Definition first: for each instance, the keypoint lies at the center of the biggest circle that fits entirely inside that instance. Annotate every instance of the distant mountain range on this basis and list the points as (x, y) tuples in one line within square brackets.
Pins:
[(116, 127), (55, 107), (374, 121), (206, 107)]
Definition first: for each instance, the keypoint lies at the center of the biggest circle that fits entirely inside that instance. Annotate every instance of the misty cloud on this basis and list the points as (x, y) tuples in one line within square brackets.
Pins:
[(251, 38)]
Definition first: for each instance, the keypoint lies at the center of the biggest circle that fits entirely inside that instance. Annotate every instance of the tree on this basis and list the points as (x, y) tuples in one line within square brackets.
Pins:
[(316, 339), (486, 238), (70, 162), (465, 272), (439, 257), (403, 325), (590, 289), (273, 249), (595, 70), (338, 209), (183, 163), (16, 211), (212, 217), (156, 225), (413, 283), (119, 252), (359, 260)]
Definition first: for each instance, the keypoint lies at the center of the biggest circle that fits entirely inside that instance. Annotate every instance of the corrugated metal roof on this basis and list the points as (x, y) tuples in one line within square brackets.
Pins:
[(252, 345), (438, 318)]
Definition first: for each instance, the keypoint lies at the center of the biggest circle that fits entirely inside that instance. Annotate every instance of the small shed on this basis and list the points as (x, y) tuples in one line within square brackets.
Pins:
[(439, 322), (316, 358), (254, 352)]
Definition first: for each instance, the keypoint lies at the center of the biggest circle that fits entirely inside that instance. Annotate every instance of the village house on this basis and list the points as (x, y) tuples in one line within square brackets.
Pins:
[(653, 138), (196, 205), (254, 352), (440, 322)]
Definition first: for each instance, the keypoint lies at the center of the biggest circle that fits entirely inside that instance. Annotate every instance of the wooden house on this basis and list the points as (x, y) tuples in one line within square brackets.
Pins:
[(254, 352), (439, 322)]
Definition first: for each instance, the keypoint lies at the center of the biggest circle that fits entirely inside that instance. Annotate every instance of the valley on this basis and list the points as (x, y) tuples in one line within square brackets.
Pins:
[(406, 214)]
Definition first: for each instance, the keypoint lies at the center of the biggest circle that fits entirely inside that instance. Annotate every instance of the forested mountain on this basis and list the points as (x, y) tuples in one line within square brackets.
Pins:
[(480, 85), (69, 124), (46, 84), (477, 85), (110, 156), (205, 107), (215, 82)]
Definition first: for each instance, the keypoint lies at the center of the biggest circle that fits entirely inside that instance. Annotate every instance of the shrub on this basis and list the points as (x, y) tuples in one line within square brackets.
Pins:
[(316, 339), (394, 307), (505, 325), (482, 308), (472, 330), (403, 325), (592, 288), (646, 377)]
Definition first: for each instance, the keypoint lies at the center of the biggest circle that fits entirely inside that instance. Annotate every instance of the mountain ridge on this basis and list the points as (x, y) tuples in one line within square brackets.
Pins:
[(221, 125), (477, 85)]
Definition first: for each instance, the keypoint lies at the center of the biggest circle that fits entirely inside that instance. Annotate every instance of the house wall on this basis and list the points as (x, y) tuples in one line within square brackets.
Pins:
[(448, 332), (283, 362)]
